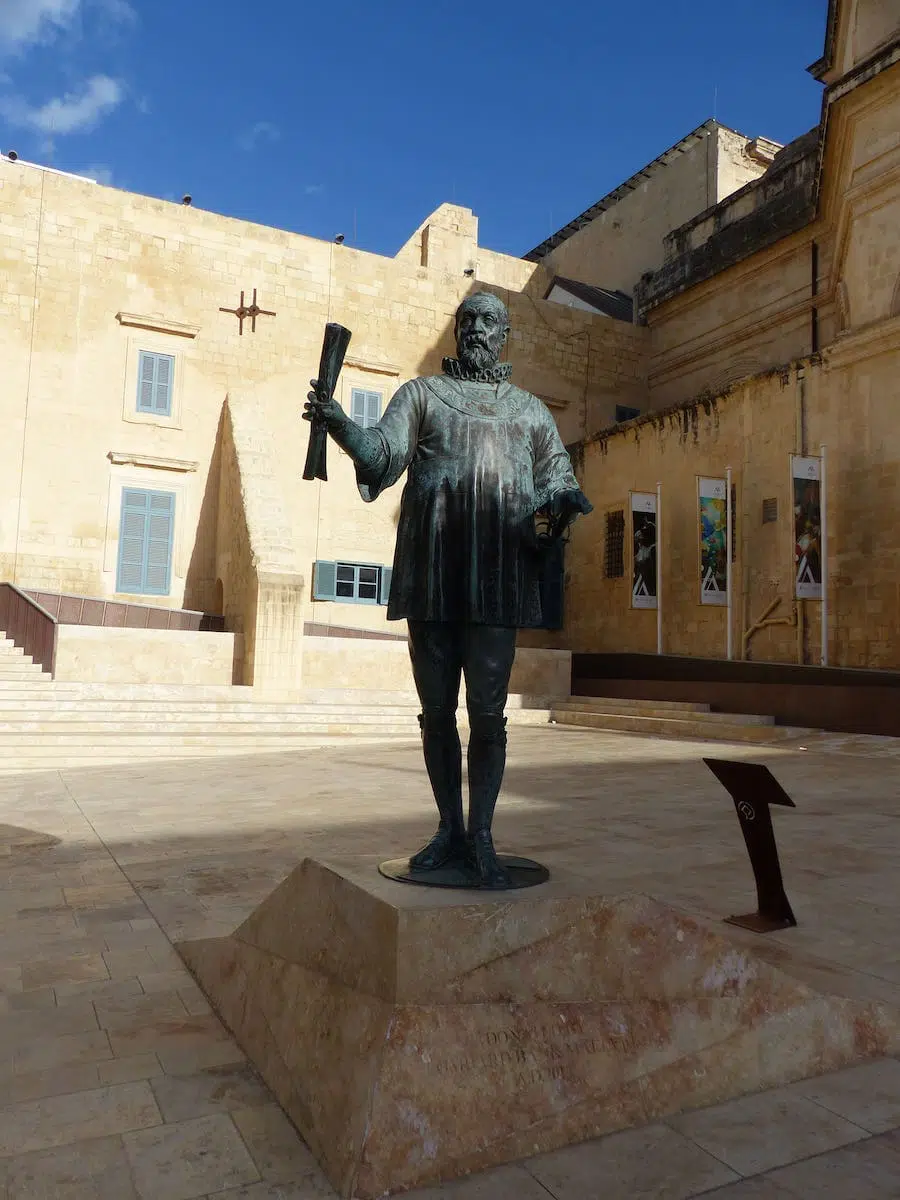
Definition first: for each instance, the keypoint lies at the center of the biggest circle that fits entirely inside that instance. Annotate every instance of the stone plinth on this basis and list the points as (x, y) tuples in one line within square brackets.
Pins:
[(415, 1036)]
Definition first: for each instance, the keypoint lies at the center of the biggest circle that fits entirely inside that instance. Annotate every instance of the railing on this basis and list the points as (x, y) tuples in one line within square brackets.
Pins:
[(69, 609), (29, 625)]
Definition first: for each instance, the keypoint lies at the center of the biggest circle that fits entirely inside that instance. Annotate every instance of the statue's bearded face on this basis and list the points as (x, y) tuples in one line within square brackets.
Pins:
[(481, 330)]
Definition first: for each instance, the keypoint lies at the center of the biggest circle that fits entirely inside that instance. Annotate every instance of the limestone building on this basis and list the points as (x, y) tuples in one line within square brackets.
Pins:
[(733, 303), (774, 330)]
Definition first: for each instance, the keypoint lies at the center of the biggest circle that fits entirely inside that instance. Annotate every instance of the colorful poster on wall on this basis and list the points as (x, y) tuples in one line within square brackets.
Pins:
[(713, 541), (806, 480), (643, 532)]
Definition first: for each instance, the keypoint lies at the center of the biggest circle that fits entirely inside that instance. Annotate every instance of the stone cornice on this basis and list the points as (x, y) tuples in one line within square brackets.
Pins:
[(860, 343), (158, 324), (123, 458)]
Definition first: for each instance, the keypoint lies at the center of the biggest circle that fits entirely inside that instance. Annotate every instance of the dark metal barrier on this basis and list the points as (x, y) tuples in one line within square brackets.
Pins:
[(29, 625)]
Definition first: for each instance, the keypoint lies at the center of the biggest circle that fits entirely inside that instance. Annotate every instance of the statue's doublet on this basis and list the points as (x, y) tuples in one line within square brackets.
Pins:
[(481, 458)]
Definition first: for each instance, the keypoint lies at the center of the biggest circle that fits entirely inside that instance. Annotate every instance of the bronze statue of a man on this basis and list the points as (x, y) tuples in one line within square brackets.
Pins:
[(483, 458)]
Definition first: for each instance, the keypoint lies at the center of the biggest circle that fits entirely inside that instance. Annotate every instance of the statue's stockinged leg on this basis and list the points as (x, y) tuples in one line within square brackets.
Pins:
[(489, 655), (487, 762), (436, 653), (443, 761)]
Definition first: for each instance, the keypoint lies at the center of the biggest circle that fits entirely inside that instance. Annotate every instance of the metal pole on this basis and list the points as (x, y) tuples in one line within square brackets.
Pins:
[(823, 518), (728, 552), (659, 628)]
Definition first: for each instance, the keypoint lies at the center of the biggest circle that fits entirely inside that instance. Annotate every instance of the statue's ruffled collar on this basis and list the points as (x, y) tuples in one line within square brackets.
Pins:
[(498, 373)]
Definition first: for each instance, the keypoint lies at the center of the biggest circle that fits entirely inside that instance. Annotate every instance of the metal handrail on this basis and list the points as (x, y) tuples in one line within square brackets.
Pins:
[(29, 625)]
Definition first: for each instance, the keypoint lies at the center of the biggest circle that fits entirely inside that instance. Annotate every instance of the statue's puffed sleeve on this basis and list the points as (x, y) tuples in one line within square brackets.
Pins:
[(398, 433), (552, 466)]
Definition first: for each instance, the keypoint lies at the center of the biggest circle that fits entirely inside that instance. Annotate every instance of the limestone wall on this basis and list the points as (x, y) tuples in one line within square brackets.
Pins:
[(626, 240), (381, 666), (93, 654), (848, 401), (93, 275)]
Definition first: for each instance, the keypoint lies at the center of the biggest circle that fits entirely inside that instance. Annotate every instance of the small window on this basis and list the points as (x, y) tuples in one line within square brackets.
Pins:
[(615, 544), (156, 375), (365, 407), (625, 413), (352, 583), (146, 531)]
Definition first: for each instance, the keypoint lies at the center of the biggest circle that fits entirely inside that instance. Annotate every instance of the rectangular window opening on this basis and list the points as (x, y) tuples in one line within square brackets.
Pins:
[(355, 583), (156, 376), (625, 412), (365, 407), (146, 535), (615, 544)]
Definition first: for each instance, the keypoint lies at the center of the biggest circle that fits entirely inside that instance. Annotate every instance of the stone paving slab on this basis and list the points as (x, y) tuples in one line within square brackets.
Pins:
[(118, 1081)]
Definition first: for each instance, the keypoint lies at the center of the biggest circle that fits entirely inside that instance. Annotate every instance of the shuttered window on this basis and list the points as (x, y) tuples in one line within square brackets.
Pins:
[(351, 583), (146, 532), (365, 407), (156, 376)]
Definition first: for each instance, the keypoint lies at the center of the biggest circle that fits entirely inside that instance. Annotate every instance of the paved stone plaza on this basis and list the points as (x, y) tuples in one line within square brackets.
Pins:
[(121, 1083)]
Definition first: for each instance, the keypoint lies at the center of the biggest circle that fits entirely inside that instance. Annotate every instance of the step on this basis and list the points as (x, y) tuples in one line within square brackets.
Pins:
[(701, 727), (207, 711), (212, 712), (26, 728), (651, 709), (127, 691), (626, 704), (10, 743)]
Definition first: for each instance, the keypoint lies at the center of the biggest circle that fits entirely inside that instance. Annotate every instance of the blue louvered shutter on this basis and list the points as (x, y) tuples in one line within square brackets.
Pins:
[(365, 407), (385, 590), (165, 370), (146, 535), (324, 581), (146, 382), (132, 536), (160, 534), (156, 375), (358, 407)]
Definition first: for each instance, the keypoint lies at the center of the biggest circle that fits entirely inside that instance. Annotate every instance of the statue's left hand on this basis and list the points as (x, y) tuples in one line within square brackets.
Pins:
[(568, 504)]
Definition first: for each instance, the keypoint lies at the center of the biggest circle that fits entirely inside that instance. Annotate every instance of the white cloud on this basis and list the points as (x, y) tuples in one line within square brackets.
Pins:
[(314, 189), (76, 112), (23, 22), (261, 131), (98, 171)]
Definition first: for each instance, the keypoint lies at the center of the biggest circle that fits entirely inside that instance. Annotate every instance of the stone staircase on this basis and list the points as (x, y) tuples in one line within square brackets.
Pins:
[(16, 667), (50, 725), (670, 718)]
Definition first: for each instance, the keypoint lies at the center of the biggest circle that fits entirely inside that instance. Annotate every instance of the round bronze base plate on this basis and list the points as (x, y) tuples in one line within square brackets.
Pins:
[(523, 873)]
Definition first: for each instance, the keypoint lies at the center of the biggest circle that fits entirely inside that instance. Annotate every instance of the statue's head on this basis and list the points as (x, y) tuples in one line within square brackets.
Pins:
[(482, 325)]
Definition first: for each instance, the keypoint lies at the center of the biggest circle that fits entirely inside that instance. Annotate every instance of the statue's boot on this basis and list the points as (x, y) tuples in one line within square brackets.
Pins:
[(443, 761), (487, 762)]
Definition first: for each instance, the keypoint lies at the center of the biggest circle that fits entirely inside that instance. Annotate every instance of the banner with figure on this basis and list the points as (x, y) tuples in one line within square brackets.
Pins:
[(806, 483), (643, 532), (713, 541)]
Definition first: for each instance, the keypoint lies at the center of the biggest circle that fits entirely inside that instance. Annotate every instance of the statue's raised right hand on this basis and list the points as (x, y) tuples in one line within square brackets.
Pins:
[(322, 408)]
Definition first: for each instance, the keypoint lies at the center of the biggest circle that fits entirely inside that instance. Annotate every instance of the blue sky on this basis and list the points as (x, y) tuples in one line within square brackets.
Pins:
[(329, 118)]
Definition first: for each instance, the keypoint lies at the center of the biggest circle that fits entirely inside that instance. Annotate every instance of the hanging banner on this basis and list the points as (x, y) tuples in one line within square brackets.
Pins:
[(713, 541), (806, 481), (643, 532)]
